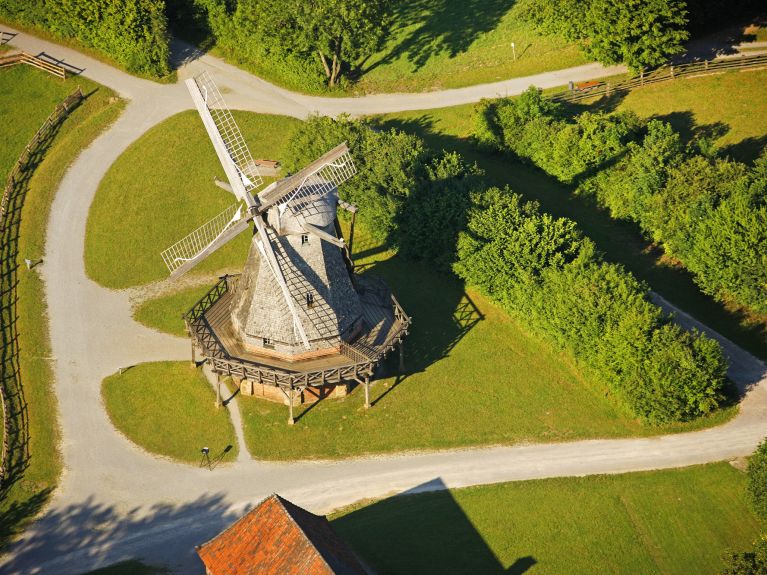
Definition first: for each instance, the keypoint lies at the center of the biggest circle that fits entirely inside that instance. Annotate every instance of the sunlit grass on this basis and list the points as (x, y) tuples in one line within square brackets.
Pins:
[(670, 522), (168, 408)]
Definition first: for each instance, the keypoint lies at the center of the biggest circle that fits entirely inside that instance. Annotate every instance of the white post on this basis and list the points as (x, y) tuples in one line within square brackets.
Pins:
[(514, 51)]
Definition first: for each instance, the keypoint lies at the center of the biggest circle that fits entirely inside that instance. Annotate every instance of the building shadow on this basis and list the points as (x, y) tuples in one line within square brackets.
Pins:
[(84, 536), (442, 540)]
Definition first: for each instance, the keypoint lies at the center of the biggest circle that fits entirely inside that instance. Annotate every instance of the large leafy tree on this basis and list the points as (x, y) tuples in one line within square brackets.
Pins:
[(338, 32), (639, 33)]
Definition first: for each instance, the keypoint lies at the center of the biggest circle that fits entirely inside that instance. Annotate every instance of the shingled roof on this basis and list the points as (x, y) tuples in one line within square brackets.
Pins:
[(282, 538)]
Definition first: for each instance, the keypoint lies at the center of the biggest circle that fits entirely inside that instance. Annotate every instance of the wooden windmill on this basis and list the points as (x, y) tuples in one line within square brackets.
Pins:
[(297, 320)]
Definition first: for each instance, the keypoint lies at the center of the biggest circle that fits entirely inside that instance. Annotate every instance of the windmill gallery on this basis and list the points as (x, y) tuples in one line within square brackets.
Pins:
[(298, 324)]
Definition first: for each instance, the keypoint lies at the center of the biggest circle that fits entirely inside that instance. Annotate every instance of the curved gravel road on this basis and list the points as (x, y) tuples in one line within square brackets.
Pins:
[(116, 502)]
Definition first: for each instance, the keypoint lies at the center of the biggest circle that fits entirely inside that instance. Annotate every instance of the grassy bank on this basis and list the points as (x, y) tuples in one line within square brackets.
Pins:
[(735, 100), (30, 354), (168, 408), (671, 522)]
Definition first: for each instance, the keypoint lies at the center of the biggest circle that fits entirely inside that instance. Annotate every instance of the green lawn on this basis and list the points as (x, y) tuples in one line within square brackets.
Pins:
[(474, 377), (736, 99), (169, 170), (28, 97), (670, 522), (164, 313), (168, 408), (439, 44)]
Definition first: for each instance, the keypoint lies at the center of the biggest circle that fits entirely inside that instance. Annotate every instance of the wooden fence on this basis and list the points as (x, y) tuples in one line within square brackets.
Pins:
[(663, 74), (34, 61), (6, 37), (59, 113)]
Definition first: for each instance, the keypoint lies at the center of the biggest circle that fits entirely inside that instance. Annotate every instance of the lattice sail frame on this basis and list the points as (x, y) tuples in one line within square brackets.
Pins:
[(230, 132), (202, 238), (303, 201)]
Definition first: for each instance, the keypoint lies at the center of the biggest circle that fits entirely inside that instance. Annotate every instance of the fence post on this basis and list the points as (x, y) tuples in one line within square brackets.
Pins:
[(706, 66), (641, 77), (672, 71)]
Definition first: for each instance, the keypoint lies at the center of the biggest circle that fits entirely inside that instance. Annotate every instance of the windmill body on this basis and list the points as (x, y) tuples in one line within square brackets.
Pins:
[(297, 324)]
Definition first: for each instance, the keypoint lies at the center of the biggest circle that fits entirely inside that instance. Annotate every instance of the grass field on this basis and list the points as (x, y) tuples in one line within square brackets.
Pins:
[(666, 522), (168, 408), (164, 313), (736, 100), (145, 188), (28, 97), (438, 44)]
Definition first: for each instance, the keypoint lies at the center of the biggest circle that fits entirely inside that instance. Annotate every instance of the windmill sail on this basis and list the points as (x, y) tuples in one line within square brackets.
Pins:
[(230, 146), (192, 249)]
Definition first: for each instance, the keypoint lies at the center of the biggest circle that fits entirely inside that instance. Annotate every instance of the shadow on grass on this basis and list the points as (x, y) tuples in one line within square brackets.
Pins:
[(620, 241), (448, 28), (430, 534), (93, 535)]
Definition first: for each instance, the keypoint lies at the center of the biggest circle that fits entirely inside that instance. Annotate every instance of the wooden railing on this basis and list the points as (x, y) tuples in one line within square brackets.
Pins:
[(6, 37), (360, 363), (15, 178), (34, 61), (663, 74), (61, 111)]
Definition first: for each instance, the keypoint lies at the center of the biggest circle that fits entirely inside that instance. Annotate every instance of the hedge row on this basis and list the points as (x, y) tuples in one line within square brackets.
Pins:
[(132, 32), (543, 271), (709, 213)]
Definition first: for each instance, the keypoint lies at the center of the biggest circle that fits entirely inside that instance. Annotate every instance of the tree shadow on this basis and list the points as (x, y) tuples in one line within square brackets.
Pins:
[(747, 150), (90, 535), (619, 241), (427, 531), (447, 27)]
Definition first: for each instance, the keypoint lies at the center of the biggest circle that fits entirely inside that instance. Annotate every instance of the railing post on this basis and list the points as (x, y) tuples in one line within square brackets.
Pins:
[(402, 355), (291, 421)]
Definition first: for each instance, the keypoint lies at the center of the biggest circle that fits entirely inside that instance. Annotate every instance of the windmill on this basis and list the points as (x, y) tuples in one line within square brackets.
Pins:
[(297, 318)]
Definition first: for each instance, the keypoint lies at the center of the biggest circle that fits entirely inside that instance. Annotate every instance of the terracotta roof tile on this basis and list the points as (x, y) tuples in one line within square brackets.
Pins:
[(281, 538)]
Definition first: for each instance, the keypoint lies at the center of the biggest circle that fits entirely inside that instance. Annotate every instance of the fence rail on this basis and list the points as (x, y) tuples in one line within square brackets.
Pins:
[(34, 61), (663, 74), (59, 113)]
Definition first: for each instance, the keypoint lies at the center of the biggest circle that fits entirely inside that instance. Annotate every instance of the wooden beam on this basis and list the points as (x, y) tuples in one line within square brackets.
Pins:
[(323, 235)]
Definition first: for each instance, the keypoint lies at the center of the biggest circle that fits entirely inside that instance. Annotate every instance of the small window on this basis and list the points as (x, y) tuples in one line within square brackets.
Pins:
[(310, 300), (268, 343), (304, 239)]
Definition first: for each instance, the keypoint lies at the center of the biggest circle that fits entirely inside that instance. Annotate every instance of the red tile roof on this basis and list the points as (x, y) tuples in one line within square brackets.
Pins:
[(282, 538)]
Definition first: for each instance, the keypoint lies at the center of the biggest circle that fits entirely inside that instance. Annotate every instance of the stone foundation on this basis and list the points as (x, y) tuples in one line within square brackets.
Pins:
[(308, 395)]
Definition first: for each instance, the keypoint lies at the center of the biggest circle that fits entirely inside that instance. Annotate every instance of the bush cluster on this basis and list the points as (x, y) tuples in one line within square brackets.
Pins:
[(709, 213), (545, 272), (435, 207), (412, 199), (132, 32)]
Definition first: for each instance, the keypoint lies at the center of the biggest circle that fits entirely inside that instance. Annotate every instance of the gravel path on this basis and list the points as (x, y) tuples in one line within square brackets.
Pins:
[(116, 502)]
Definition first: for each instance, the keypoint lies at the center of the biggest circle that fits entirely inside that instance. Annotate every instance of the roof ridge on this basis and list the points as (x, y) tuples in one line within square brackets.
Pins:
[(282, 501)]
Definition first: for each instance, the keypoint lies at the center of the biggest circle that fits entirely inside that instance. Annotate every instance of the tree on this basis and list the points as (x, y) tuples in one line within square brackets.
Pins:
[(757, 479), (338, 32), (748, 562), (639, 33)]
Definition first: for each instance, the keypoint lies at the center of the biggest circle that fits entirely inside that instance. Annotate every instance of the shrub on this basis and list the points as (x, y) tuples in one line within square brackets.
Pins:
[(757, 479), (542, 270), (132, 32)]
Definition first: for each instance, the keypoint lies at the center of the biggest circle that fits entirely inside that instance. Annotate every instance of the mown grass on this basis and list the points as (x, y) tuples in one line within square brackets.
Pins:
[(670, 522), (473, 377), (439, 44), (163, 185), (28, 97), (735, 99), (168, 408), (164, 313)]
